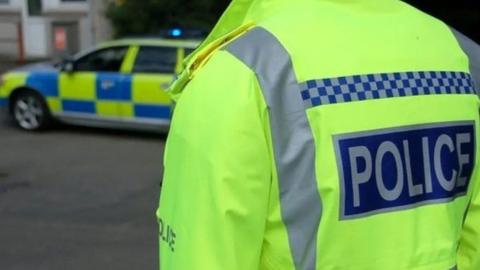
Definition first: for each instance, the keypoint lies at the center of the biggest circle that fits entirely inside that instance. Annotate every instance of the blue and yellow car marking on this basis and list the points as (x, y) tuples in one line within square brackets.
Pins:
[(110, 95)]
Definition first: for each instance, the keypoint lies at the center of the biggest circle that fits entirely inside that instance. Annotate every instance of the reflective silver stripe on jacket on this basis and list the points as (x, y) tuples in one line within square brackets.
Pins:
[(472, 50), (292, 137)]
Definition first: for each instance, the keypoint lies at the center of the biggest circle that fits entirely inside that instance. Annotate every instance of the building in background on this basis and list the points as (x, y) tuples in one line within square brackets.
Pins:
[(101, 26), (39, 29)]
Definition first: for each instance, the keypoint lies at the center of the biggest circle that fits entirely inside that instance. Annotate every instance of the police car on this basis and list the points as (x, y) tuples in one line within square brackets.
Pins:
[(118, 84)]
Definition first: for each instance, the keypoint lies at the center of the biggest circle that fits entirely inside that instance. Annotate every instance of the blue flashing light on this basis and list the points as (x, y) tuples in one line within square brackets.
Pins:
[(176, 32)]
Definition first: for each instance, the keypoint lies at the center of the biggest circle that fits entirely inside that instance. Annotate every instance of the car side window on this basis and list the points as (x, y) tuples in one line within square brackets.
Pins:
[(107, 60), (151, 59)]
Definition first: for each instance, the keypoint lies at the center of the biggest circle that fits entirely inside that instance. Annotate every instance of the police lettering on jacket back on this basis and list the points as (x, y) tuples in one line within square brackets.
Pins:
[(401, 168)]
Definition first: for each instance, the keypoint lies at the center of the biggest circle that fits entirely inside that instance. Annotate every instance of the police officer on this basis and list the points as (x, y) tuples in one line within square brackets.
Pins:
[(324, 134)]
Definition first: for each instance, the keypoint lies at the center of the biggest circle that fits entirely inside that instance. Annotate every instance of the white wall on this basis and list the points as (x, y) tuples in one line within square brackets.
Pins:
[(85, 34), (8, 40), (9, 19), (57, 4), (102, 27), (37, 29), (36, 37), (17, 3)]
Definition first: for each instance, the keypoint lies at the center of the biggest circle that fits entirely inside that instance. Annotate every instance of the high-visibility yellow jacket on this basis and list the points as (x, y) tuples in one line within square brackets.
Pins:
[(324, 134)]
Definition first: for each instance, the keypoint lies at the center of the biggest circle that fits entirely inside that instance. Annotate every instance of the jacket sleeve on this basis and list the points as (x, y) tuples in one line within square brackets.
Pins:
[(472, 50), (469, 246), (213, 203)]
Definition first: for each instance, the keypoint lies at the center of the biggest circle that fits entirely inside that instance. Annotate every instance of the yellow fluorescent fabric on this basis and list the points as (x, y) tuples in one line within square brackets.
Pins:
[(220, 206), (360, 38), (241, 12), (217, 173), (397, 240), (469, 249)]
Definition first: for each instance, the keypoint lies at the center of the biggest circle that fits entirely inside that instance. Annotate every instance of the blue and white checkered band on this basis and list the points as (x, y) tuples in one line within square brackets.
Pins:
[(387, 85)]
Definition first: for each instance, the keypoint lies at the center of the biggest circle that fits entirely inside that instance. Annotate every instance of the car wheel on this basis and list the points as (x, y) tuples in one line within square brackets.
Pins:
[(30, 111)]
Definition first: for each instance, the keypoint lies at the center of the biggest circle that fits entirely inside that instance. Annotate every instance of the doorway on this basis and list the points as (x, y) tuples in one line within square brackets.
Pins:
[(65, 38)]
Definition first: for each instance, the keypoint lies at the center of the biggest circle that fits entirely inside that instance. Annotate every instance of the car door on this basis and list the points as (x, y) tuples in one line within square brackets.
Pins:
[(96, 88), (153, 71)]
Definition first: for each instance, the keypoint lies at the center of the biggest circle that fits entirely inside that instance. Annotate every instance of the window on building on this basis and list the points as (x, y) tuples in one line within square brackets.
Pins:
[(107, 60), (34, 7), (152, 59)]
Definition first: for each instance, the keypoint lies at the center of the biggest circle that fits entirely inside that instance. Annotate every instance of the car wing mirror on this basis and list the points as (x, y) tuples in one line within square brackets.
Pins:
[(68, 66)]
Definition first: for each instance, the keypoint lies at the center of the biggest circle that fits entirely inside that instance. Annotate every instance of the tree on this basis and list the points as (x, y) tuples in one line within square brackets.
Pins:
[(144, 17), (149, 17)]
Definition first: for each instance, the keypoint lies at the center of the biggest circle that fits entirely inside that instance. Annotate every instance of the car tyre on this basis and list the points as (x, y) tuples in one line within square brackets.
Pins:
[(30, 111)]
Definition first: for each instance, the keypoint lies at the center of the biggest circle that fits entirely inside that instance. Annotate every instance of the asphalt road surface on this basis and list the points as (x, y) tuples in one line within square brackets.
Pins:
[(78, 198)]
